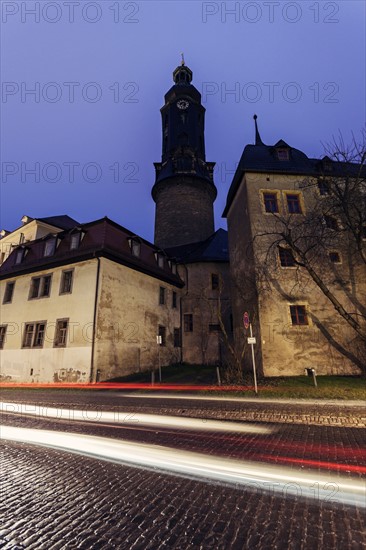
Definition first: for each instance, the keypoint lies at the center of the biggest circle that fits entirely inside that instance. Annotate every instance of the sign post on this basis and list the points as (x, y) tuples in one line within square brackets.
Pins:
[(251, 342), (159, 341)]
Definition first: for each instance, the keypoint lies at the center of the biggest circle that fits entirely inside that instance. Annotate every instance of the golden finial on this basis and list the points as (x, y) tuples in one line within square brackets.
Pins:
[(182, 62)]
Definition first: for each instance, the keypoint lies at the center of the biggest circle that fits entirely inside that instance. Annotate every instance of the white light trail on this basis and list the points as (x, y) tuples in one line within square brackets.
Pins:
[(119, 417), (280, 481)]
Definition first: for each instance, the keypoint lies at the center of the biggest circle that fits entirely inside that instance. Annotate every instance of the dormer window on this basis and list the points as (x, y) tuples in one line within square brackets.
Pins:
[(173, 266), (327, 164), (50, 247), (135, 246), (283, 154), (159, 256), (76, 239), (20, 255)]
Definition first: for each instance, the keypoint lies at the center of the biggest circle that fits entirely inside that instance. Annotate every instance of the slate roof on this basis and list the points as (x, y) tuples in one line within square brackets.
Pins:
[(263, 158), (63, 222), (213, 249), (101, 238)]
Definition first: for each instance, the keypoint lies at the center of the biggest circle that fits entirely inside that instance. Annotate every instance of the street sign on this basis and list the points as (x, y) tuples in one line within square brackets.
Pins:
[(252, 340), (246, 320)]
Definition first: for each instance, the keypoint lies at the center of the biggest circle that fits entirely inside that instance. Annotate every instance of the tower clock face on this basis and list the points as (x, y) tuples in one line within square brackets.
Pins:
[(182, 104)]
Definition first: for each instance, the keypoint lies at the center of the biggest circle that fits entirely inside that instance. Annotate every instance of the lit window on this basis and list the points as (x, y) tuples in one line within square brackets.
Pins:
[(286, 257), (34, 334), (2, 335), (335, 257), (270, 202), (188, 322), (215, 282), (161, 296), (299, 315), (293, 204), (61, 333), (66, 281), (40, 287), (9, 291)]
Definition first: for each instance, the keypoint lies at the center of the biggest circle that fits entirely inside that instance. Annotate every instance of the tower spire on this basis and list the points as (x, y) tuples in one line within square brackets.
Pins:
[(182, 62), (258, 140)]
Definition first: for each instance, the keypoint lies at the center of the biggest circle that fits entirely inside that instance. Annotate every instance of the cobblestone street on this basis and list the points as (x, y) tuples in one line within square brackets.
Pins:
[(58, 500), (55, 499)]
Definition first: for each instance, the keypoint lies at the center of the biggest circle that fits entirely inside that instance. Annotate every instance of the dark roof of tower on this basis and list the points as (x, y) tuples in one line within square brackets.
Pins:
[(261, 158), (213, 249)]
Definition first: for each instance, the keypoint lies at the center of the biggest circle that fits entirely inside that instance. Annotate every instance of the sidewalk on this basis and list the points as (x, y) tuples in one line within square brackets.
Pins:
[(300, 411)]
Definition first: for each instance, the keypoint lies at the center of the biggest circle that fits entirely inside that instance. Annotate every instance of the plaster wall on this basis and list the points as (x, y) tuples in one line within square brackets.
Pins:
[(49, 363)]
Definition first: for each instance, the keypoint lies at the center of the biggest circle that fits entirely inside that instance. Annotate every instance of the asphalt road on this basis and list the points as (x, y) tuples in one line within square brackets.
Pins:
[(173, 484)]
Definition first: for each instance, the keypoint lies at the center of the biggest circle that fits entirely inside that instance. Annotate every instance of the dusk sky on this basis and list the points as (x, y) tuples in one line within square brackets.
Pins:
[(100, 71)]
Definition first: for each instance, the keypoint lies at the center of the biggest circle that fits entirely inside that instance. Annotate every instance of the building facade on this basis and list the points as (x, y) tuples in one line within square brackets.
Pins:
[(92, 302), (293, 268)]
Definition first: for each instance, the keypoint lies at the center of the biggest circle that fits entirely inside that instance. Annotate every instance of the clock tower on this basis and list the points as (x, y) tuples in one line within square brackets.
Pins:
[(184, 191)]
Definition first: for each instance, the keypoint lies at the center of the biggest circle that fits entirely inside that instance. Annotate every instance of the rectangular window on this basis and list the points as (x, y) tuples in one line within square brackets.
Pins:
[(39, 335), (286, 257), (28, 335), (50, 247), (161, 296), (162, 334), (61, 333), (19, 256), (9, 291), (177, 338), (34, 288), (293, 204), (174, 300), (66, 281), (2, 335), (188, 322), (299, 315), (270, 202), (34, 335), (75, 241), (331, 223), (283, 154), (45, 286), (40, 287), (214, 327), (335, 257), (159, 259), (323, 187), (214, 281)]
